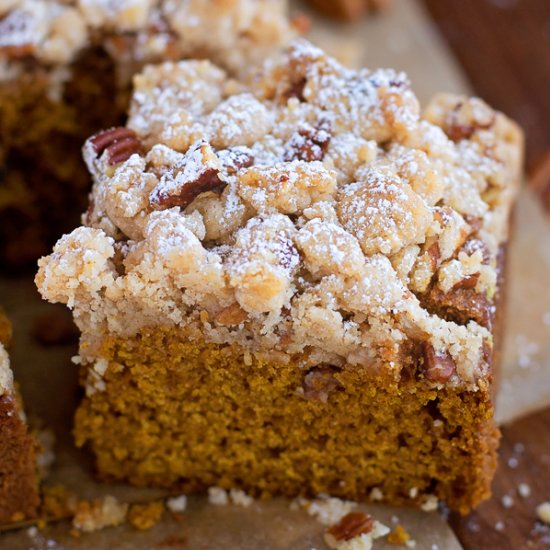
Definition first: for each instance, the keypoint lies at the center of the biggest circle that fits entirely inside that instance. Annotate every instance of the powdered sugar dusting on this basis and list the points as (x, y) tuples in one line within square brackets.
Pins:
[(308, 213)]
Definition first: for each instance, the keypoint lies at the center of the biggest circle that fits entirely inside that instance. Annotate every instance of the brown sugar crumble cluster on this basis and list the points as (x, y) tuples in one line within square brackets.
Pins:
[(65, 72), (292, 284), (19, 498)]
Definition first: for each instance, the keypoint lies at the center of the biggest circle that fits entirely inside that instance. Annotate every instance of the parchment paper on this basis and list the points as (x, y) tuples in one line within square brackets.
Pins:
[(403, 39)]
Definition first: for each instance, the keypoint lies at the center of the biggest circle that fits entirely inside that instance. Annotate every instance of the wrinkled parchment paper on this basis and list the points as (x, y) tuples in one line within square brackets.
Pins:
[(403, 39)]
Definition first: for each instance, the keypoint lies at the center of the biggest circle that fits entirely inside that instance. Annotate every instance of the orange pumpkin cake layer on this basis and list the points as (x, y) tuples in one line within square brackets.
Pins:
[(291, 286), (19, 498), (65, 72)]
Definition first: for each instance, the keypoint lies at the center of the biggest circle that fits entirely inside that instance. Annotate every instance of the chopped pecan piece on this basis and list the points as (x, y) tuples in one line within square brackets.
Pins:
[(197, 173), (235, 158), (309, 143), (352, 525), (120, 143), (438, 366)]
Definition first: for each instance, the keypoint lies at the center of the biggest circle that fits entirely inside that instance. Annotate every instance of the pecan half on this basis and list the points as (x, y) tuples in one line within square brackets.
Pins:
[(438, 366), (120, 143), (197, 173), (309, 143), (351, 526)]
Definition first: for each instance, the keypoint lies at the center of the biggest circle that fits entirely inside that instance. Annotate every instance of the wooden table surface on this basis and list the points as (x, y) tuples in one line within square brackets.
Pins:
[(504, 49)]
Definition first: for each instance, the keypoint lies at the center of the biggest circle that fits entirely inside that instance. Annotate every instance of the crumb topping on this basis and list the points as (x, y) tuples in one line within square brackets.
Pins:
[(237, 33), (313, 212), (100, 513)]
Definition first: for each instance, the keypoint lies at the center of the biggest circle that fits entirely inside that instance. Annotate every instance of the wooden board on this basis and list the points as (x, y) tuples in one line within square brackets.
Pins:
[(504, 48), (508, 521)]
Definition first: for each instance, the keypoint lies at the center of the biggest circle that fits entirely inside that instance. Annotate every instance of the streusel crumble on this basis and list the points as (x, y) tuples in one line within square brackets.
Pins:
[(292, 285)]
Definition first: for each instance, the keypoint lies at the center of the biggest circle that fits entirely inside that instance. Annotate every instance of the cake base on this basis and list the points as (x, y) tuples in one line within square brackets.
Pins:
[(19, 497), (180, 414)]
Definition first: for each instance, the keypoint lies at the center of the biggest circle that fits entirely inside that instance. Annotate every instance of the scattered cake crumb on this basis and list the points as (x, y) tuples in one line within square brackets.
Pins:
[(499, 526), (413, 492), (218, 496), (430, 504), (507, 501), (325, 509), (145, 516), (177, 504), (99, 513), (240, 498), (399, 535), (543, 512), (524, 490), (58, 502), (376, 494)]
